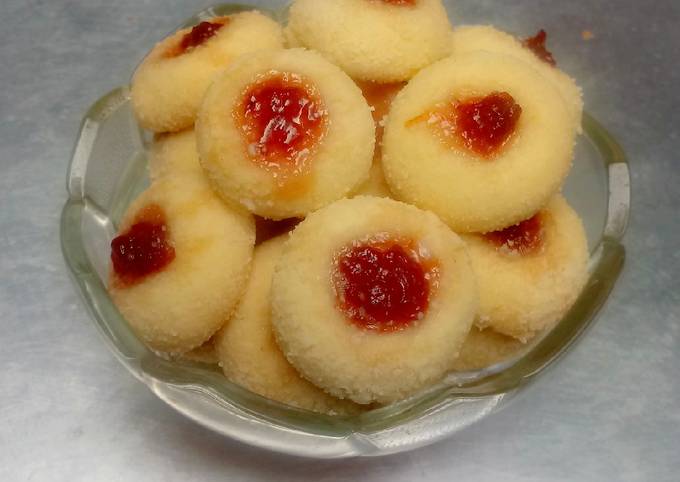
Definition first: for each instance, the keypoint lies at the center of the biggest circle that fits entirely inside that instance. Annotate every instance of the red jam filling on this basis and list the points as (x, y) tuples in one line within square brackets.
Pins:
[(143, 249), (382, 286), (282, 120), (537, 45), (199, 34), (482, 125), (266, 229), (485, 124), (523, 238)]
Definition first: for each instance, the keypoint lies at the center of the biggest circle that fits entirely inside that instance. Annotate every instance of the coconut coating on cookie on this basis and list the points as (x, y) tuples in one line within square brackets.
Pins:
[(483, 348), (472, 38), (470, 192), (248, 352), (329, 347), (174, 155), (523, 294), (181, 305), (169, 84), (373, 40), (285, 133)]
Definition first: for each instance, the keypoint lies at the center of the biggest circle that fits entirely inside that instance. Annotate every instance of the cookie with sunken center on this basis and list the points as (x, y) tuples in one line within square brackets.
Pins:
[(427, 162), (524, 293), (329, 139), (249, 354), (472, 38), (178, 307), (323, 338), (169, 84)]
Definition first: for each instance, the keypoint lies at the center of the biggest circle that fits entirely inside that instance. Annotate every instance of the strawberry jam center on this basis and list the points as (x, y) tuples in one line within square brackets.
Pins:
[(382, 286), (282, 120), (198, 35), (144, 248), (537, 45), (485, 124), (523, 238)]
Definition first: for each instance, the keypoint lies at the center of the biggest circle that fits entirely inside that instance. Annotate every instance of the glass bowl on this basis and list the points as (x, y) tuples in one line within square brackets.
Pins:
[(109, 169)]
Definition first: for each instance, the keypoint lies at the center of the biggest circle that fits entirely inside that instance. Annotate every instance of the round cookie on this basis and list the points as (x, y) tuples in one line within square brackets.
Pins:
[(285, 133), (249, 355), (372, 299), (378, 40), (472, 38), (481, 139), (169, 84), (483, 348), (529, 275), (174, 154), (179, 264)]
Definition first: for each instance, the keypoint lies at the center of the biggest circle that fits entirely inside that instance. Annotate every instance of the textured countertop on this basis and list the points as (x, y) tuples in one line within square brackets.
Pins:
[(68, 411)]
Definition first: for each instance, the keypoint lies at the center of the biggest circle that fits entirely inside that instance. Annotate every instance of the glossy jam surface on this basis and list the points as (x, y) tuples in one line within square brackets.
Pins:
[(382, 286), (283, 120), (143, 249), (523, 238), (197, 36), (485, 124), (537, 44), (481, 125)]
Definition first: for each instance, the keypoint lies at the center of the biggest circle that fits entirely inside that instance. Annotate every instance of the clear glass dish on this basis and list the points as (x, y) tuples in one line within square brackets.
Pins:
[(109, 169)]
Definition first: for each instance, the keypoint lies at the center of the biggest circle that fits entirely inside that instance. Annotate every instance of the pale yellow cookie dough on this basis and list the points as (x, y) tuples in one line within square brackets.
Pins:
[(373, 39), (472, 38), (248, 351), (174, 154), (180, 307), (483, 348), (468, 192), (336, 354), (167, 88), (521, 295), (337, 164)]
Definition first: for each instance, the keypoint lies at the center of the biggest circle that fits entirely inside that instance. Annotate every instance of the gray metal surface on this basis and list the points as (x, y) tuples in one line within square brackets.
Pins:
[(68, 411)]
